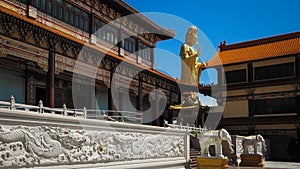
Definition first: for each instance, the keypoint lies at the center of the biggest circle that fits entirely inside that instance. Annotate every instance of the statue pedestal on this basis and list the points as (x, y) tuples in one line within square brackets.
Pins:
[(237, 142), (212, 163), (187, 114), (255, 160)]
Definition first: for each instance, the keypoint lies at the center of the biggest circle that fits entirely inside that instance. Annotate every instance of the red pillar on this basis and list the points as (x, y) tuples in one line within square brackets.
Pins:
[(170, 111), (140, 96), (152, 57), (111, 105), (156, 110), (140, 99), (51, 79)]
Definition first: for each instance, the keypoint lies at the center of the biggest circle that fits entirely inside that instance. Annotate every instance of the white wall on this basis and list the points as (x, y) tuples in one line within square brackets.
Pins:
[(55, 140)]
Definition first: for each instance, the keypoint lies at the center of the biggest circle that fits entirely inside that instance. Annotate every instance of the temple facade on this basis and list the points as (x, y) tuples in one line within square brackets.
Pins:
[(43, 41), (262, 78)]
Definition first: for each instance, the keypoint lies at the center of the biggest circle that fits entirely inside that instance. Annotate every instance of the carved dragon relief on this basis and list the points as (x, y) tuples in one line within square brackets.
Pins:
[(32, 146)]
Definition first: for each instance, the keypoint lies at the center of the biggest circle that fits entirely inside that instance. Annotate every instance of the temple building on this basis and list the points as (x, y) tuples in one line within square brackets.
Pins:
[(41, 41), (93, 54), (263, 91)]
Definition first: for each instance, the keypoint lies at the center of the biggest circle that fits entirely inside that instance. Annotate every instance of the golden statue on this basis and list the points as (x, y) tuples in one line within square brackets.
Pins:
[(190, 71), (190, 67)]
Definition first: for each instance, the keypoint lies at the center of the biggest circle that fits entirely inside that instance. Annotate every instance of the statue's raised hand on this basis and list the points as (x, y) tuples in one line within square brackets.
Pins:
[(199, 51)]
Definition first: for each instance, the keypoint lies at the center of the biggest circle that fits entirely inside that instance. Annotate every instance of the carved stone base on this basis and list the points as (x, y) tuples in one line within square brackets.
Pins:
[(212, 163), (255, 160)]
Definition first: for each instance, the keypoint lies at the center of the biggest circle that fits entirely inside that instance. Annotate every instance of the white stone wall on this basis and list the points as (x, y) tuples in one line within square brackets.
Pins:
[(29, 139)]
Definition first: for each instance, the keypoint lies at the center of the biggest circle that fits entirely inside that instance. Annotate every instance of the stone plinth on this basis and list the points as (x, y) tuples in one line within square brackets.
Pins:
[(255, 160), (237, 142), (212, 163)]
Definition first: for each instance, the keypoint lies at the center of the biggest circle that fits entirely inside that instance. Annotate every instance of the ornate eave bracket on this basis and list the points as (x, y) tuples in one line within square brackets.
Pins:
[(24, 51)]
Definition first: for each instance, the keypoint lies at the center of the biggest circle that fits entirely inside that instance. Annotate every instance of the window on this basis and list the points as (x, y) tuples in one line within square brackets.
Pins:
[(23, 1), (86, 25), (112, 34), (72, 18), (49, 8), (128, 43), (236, 76), (61, 13), (44, 6), (55, 10), (37, 4), (67, 16), (144, 51), (81, 22), (64, 11), (12, 83), (105, 32), (274, 106), (274, 71), (77, 21)]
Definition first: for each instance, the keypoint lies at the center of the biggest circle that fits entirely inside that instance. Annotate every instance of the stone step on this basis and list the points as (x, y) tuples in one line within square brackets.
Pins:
[(194, 153)]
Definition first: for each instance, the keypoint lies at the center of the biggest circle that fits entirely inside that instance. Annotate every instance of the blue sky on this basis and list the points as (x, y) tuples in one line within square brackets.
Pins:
[(231, 20), (218, 20)]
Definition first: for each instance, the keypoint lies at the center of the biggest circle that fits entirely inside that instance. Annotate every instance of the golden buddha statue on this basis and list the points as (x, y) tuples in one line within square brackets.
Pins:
[(191, 70), (190, 67)]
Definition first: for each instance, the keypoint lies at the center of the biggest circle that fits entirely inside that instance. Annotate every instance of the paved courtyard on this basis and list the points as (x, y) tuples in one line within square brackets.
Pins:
[(268, 165), (273, 164)]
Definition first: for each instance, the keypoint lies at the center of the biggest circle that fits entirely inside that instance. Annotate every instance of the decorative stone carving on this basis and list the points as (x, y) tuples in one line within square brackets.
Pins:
[(23, 146)]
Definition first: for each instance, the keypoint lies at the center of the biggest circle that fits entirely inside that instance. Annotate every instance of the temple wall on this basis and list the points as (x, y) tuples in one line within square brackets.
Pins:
[(236, 109), (274, 89)]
